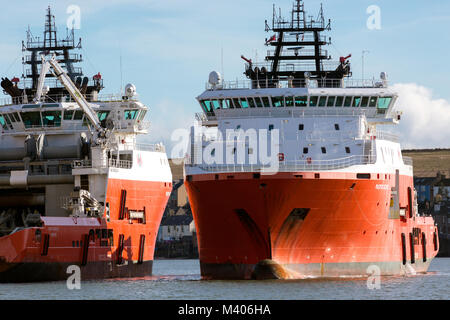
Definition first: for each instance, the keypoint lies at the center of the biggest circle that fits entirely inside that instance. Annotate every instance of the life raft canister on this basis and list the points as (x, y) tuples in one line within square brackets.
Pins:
[(281, 157)]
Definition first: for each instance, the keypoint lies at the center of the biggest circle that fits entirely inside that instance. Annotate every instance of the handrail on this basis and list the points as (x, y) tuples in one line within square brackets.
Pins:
[(291, 165), (297, 83), (7, 101), (112, 163), (143, 147), (286, 112), (302, 52)]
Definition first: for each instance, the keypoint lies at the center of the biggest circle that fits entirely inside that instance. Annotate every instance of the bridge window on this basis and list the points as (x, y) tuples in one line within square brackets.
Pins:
[(8, 121), (259, 103), (364, 102), (339, 101), (51, 105), (222, 104), (373, 102), (206, 104), (347, 149), (3, 122), (215, 104), (229, 103), (301, 101), (289, 101), (68, 114), (313, 101), (142, 114), (305, 150), (10, 116), (244, 103), (356, 102), (301, 126), (330, 102), (102, 115), (322, 101), (131, 114), (266, 101), (348, 101), (237, 104), (31, 106), (51, 118), (31, 119), (336, 127), (251, 102), (324, 150), (78, 115), (278, 102), (16, 116), (384, 102)]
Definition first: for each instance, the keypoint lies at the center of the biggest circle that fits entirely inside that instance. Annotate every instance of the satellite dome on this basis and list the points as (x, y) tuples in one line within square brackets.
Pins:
[(130, 90), (215, 78)]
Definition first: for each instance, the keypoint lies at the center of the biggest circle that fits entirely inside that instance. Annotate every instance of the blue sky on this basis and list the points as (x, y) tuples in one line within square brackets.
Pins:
[(168, 47)]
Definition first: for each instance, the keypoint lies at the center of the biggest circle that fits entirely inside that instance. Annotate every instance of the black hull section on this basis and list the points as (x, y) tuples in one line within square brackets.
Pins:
[(226, 271), (55, 271)]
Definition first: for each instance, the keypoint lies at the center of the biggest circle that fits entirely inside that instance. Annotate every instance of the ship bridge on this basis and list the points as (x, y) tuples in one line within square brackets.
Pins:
[(63, 115), (370, 98)]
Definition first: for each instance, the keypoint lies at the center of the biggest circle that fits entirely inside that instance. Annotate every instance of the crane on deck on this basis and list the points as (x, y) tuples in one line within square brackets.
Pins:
[(63, 77)]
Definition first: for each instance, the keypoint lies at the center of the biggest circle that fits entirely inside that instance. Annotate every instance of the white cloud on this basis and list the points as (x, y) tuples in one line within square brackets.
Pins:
[(425, 121), (166, 117)]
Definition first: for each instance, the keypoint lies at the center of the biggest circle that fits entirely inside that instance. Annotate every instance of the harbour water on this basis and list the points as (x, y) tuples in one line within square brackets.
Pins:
[(180, 280)]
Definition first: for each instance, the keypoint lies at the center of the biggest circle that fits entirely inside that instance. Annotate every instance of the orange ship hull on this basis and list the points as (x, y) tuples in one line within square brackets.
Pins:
[(294, 225), (120, 247)]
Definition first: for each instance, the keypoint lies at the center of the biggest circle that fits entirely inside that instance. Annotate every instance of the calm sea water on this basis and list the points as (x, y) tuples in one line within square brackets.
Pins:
[(180, 280)]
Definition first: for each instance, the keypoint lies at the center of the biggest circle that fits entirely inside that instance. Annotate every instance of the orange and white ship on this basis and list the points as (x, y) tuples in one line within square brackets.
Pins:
[(75, 186), (290, 174)]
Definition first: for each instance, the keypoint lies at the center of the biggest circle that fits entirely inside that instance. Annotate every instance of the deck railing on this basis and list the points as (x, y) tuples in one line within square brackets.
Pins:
[(6, 101), (291, 165), (297, 83), (143, 147), (108, 163)]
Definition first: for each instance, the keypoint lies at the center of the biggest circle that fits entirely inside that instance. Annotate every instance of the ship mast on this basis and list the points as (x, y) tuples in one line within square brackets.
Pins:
[(49, 46), (297, 53)]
